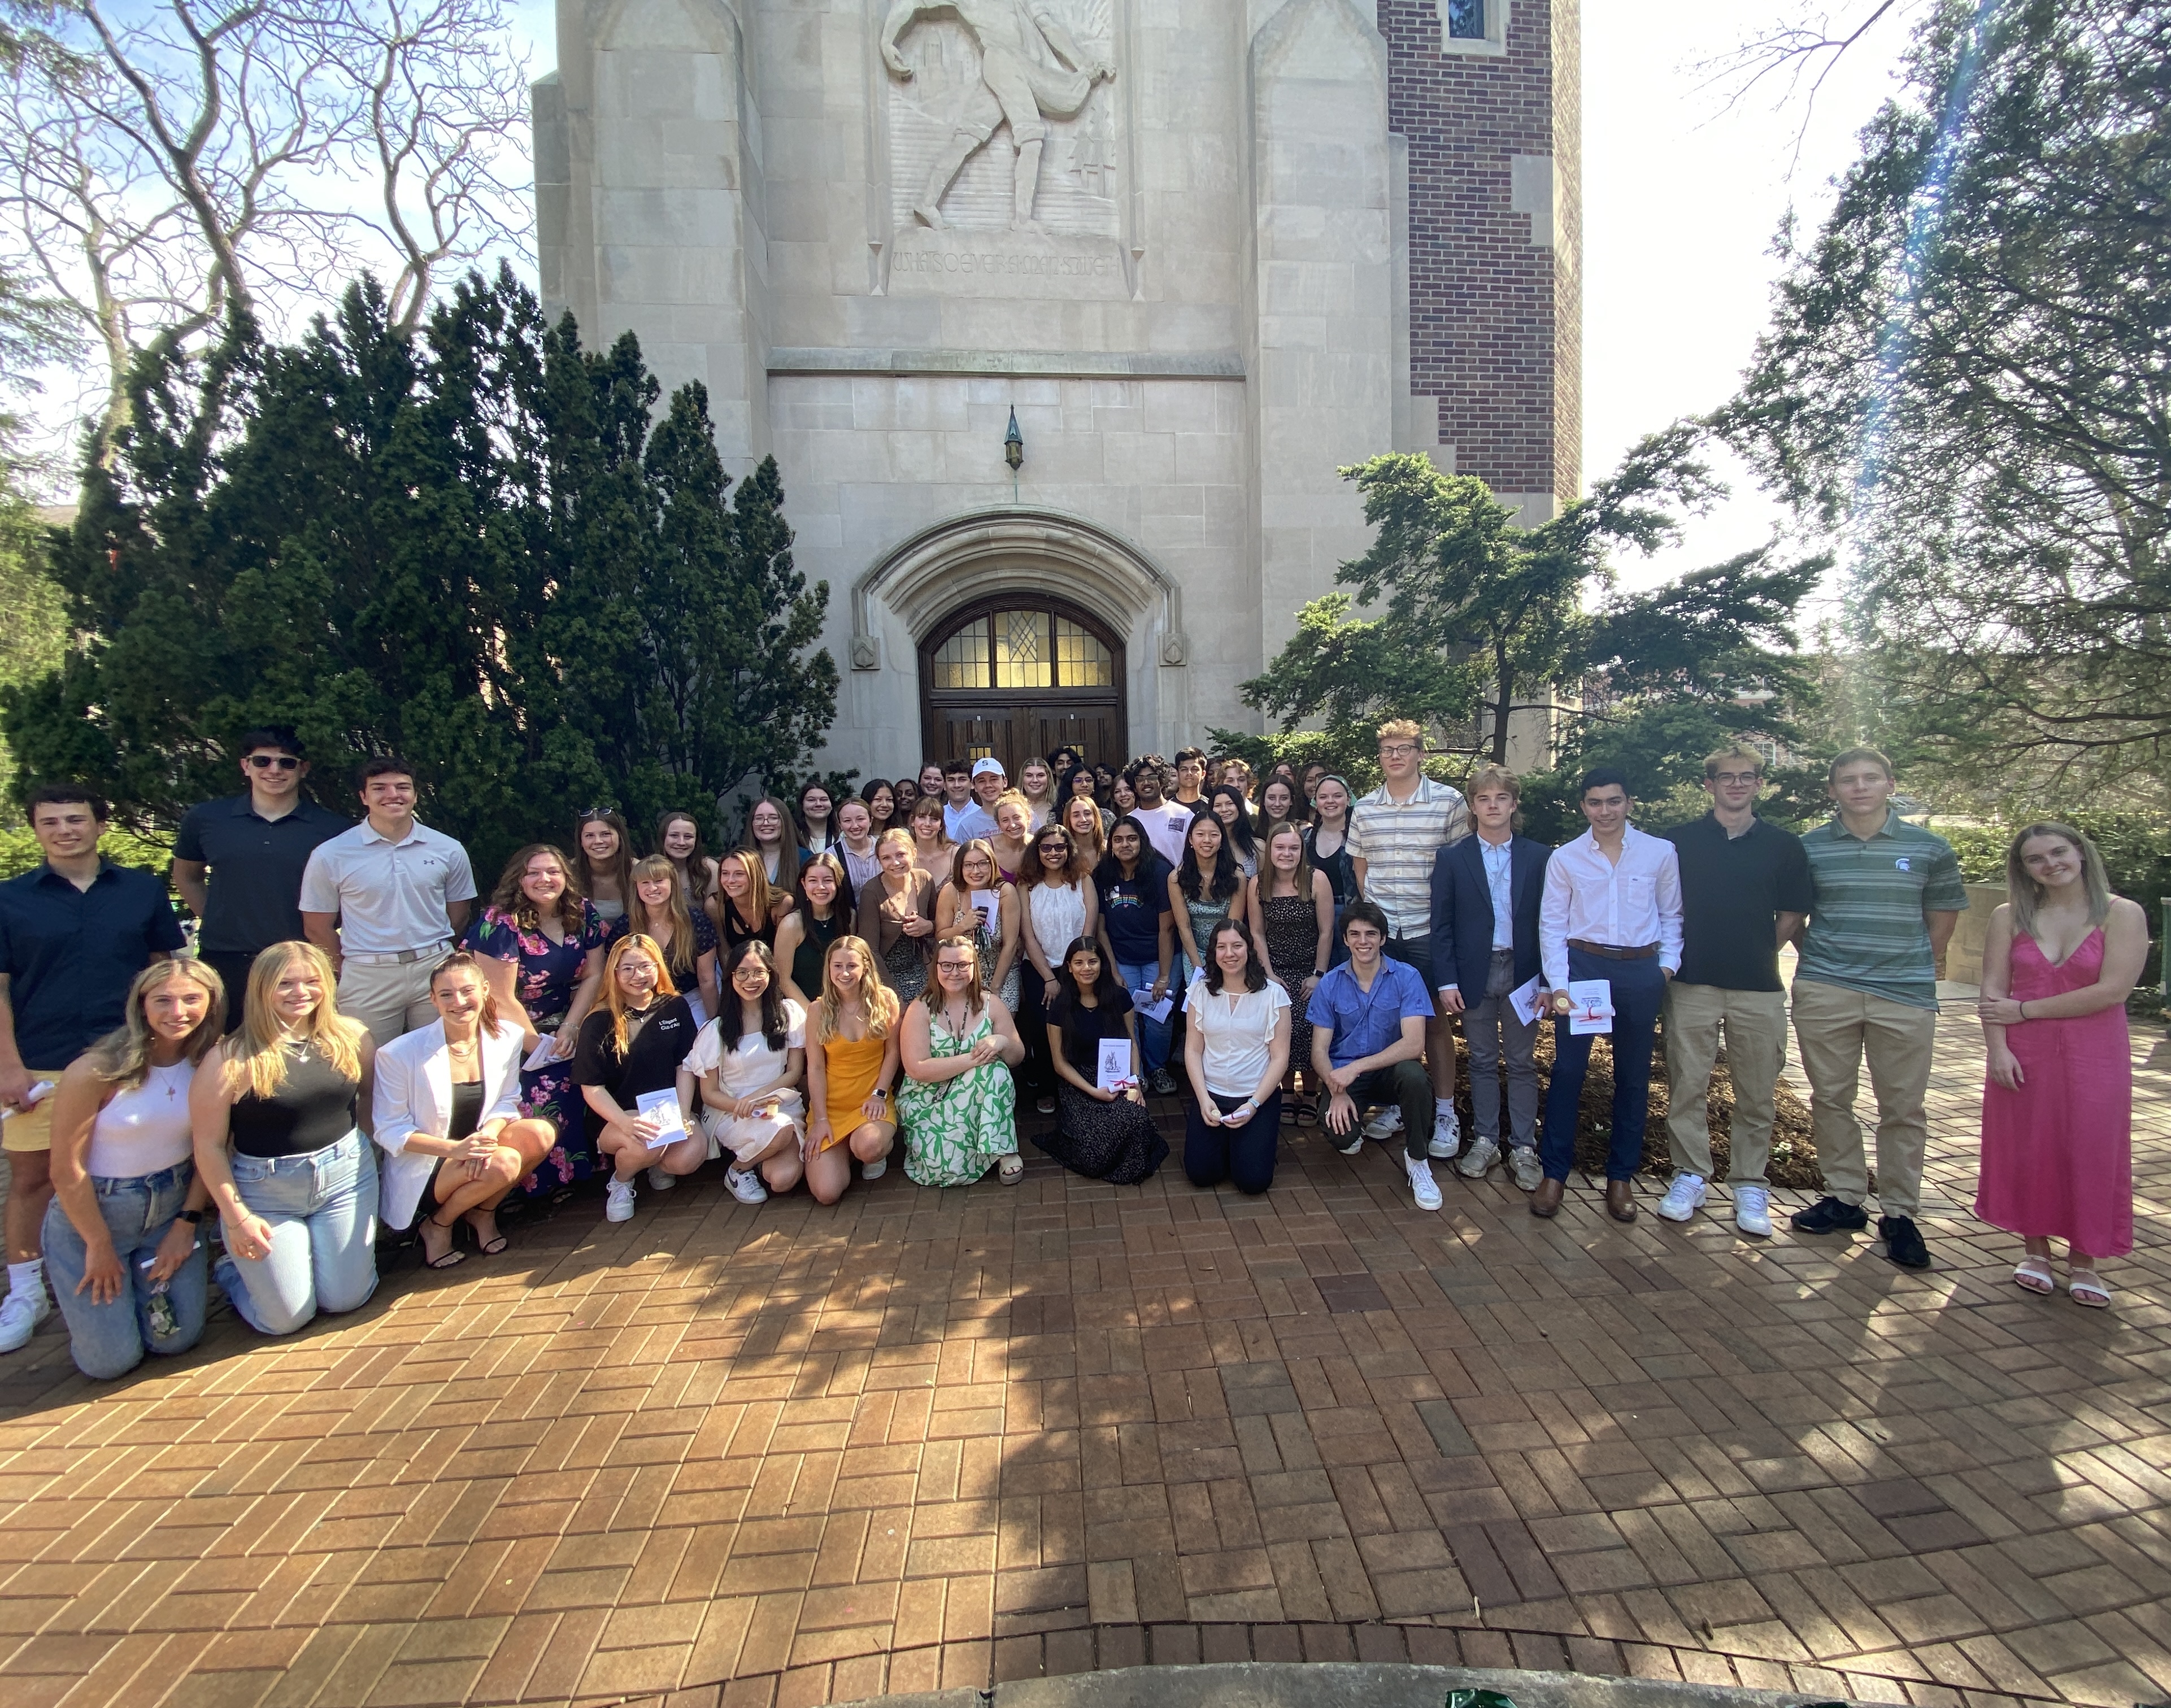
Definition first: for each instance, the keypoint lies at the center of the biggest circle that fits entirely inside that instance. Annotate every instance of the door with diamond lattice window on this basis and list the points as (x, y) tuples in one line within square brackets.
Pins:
[(1017, 677)]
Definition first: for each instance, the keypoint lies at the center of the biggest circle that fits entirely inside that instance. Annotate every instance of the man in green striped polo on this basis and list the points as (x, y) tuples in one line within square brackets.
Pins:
[(1887, 896)]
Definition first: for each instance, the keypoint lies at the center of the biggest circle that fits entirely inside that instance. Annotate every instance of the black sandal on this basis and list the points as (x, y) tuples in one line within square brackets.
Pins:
[(488, 1248), (452, 1254)]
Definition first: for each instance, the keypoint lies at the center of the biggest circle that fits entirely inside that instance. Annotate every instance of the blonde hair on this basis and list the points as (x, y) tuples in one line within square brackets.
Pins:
[(256, 1060), (2026, 895), (1269, 873), (1401, 730), (1500, 777), (761, 894), (1012, 797), (877, 998), (902, 838), (1740, 751), (653, 869), (612, 1002), (122, 1058), (1097, 838)]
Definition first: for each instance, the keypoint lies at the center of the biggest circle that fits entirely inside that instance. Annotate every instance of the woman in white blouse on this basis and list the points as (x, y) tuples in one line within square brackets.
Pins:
[(446, 1111), (1235, 1049), (1059, 905)]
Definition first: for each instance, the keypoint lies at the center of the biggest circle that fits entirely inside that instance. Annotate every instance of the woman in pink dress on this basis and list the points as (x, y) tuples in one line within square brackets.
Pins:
[(2057, 1106)]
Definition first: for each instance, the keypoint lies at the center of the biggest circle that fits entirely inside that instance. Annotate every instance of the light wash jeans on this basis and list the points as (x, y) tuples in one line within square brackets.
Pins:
[(110, 1339), (322, 1207), (1153, 1035)]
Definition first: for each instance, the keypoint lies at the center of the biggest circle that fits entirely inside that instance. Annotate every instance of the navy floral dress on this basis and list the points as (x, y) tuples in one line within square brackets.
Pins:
[(545, 975)]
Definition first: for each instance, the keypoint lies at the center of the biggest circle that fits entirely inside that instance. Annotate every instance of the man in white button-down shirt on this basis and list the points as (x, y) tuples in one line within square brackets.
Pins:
[(1613, 912)]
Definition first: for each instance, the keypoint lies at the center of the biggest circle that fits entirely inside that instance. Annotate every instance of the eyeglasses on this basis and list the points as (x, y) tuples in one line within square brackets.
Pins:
[(1395, 750), (274, 762), (953, 966), (1737, 777)]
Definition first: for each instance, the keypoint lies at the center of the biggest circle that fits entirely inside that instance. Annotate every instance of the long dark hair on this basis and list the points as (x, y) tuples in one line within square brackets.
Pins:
[(1105, 988), (1035, 874), (621, 867), (695, 873), (1228, 876), (1240, 833), (845, 901), (775, 1023), (1112, 867), (1254, 974)]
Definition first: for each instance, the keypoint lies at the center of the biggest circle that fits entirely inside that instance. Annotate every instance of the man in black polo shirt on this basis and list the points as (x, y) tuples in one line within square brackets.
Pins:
[(74, 932), (1745, 891), (255, 847)]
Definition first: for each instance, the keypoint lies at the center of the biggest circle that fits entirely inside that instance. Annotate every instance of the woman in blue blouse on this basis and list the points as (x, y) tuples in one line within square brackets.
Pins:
[(543, 946)]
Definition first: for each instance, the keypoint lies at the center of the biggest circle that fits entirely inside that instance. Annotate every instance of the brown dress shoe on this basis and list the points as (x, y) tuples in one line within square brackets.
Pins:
[(1546, 1199), (1621, 1200)]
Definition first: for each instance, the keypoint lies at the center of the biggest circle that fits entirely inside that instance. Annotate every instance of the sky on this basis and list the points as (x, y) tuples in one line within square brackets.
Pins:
[(1682, 196)]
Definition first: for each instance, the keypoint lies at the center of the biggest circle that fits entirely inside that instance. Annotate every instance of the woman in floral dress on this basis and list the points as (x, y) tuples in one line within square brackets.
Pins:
[(543, 946), (957, 1103)]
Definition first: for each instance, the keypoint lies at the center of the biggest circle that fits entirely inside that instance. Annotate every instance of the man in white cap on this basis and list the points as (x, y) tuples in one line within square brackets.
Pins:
[(973, 816)]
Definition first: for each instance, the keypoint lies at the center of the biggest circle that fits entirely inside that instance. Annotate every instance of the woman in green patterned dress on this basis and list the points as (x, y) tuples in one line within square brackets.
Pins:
[(957, 1103)]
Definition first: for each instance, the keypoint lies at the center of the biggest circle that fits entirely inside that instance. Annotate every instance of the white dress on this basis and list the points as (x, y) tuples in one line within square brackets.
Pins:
[(747, 1068)]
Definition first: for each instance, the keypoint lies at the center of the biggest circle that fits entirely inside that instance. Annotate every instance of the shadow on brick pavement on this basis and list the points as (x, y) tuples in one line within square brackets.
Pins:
[(789, 1455)]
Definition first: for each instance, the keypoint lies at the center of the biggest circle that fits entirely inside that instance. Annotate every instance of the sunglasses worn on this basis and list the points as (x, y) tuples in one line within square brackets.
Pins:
[(274, 762)]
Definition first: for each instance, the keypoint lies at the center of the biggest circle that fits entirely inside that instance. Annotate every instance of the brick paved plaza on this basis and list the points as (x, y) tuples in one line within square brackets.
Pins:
[(789, 1456)]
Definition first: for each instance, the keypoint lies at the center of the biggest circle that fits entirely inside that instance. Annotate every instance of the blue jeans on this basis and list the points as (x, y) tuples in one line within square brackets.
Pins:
[(322, 1207), (1153, 1035), (110, 1339), (1639, 992)]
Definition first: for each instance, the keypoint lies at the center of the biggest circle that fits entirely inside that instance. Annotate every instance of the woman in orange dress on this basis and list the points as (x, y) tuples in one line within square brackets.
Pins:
[(851, 1063)]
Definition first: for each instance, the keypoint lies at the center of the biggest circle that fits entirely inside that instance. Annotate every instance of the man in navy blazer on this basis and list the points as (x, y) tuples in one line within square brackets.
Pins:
[(1485, 895)]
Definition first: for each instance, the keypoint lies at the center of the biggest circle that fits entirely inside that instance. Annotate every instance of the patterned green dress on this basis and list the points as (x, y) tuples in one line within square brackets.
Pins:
[(955, 1130)]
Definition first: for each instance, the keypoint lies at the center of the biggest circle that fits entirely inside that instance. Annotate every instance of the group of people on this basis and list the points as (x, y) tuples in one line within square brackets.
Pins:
[(352, 1044)]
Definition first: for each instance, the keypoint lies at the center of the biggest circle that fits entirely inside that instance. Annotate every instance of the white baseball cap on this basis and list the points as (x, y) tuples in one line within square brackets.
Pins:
[(982, 767)]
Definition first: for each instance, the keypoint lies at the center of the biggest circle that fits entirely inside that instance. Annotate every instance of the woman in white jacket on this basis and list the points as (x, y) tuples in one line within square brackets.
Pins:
[(446, 1109)]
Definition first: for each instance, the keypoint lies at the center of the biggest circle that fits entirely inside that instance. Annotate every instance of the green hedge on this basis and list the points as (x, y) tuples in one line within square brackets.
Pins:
[(2137, 853), (18, 852)]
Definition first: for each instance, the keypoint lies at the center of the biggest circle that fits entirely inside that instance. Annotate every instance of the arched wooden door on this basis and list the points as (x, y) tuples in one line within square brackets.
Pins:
[(1021, 675)]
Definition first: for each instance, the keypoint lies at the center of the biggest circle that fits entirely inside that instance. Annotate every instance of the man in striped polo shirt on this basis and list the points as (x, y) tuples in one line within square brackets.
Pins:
[(1886, 897), (1393, 833)]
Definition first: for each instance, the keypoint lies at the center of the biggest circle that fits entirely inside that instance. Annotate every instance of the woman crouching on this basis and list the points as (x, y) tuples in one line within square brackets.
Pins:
[(747, 1063)]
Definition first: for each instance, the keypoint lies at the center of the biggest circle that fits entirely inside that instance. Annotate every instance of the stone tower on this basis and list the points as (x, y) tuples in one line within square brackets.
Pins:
[(1208, 250)]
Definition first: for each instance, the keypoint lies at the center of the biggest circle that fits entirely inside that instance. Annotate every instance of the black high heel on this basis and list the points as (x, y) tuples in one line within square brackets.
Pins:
[(452, 1254)]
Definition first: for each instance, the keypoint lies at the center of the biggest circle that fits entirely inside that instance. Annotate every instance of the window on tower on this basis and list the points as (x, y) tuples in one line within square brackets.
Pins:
[(1466, 20)]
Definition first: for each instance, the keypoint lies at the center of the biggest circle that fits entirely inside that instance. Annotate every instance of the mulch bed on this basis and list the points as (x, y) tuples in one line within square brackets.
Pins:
[(1794, 1157)]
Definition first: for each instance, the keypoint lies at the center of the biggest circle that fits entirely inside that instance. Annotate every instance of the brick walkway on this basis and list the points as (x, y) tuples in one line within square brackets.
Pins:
[(789, 1455)]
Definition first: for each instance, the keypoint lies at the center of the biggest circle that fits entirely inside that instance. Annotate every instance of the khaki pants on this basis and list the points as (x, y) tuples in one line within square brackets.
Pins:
[(391, 1000), (1834, 1029), (32, 1130), (1755, 1026)]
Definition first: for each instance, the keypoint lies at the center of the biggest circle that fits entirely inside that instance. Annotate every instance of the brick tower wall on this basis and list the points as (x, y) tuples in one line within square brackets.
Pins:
[(1495, 236)]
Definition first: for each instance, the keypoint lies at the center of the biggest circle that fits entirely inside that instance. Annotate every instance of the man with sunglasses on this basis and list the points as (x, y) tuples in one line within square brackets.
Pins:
[(238, 861)]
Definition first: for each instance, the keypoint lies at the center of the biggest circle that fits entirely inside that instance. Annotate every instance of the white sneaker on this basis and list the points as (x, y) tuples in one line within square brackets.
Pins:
[(21, 1314), (1446, 1134), (1684, 1198), (746, 1185), (1422, 1182), (1529, 1170), (1482, 1153), (876, 1170), (1752, 1212), (661, 1179), (617, 1201), (1384, 1123)]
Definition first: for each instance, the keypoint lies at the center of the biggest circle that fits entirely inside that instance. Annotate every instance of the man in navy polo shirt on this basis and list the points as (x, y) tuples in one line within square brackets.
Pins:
[(253, 847), (74, 932), (1367, 1018)]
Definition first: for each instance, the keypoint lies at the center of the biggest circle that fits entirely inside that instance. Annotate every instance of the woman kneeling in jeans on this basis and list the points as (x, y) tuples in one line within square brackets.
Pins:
[(276, 1141), (121, 1232)]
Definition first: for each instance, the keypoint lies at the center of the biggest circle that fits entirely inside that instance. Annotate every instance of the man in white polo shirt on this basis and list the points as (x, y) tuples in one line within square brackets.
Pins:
[(1395, 834), (385, 900)]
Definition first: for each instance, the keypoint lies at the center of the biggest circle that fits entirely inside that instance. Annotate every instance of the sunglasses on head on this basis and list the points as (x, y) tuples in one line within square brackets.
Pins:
[(589, 814), (274, 762)]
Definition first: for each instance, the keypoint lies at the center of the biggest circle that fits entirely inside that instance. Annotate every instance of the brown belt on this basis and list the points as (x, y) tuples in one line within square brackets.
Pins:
[(1643, 953)]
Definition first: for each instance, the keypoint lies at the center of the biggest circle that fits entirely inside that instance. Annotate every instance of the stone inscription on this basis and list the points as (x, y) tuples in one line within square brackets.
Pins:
[(926, 263), (995, 264)]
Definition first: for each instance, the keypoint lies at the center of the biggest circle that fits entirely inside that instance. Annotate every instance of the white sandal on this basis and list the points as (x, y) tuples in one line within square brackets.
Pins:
[(2033, 1275), (1011, 1170), (2088, 1288)]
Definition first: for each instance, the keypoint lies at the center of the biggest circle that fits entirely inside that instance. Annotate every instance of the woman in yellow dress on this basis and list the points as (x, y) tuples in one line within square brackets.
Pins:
[(851, 1063)]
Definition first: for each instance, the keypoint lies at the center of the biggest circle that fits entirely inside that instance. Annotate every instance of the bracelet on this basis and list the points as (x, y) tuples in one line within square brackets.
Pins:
[(2023, 1011), (883, 1092)]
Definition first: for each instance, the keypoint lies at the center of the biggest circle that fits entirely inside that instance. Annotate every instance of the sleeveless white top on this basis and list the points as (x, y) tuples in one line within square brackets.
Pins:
[(1058, 915), (145, 1130)]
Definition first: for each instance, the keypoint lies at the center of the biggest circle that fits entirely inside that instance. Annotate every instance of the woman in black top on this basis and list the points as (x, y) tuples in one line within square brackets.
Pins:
[(631, 1046), (1327, 849), (276, 1114), (1105, 1135), (824, 913)]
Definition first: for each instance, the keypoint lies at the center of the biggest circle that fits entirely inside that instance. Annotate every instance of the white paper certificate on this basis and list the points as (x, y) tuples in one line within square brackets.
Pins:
[(989, 905), (661, 1107), (1115, 1074), (1143, 1001), (1591, 1006), (1524, 999)]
